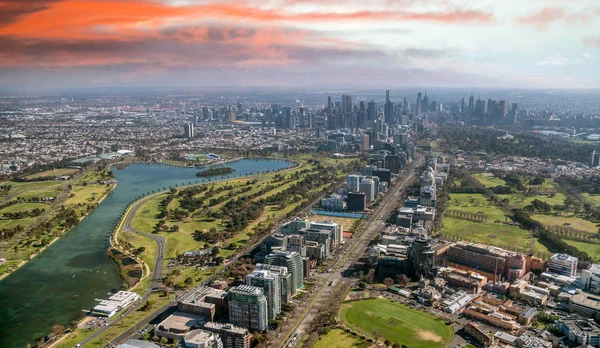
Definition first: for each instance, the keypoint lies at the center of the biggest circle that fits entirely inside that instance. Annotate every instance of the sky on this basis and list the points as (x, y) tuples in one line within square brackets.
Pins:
[(54, 44)]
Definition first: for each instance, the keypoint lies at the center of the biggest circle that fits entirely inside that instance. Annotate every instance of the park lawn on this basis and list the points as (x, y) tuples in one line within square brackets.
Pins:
[(41, 189), (475, 202), (593, 250), (497, 234), (591, 199), (23, 207), (396, 323), (338, 338), (73, 338), (53, 173), (145, 218), (91, 193), (137, 240), (489, 179), (574, 222), (14, 223)]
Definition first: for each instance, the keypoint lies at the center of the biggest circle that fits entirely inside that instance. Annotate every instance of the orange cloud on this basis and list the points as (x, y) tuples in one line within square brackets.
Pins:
[(592, 41), (544, 17), (127, 19)]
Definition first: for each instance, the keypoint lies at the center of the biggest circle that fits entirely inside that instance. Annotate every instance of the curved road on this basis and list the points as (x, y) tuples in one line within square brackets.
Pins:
[(156, 272)]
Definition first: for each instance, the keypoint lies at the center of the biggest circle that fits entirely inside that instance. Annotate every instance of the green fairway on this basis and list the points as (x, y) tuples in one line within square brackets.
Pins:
[(54, 173), (593, 250), (519, 200), (338, 338), (41, 189), (574, 222), (397, 323), (489, 180)]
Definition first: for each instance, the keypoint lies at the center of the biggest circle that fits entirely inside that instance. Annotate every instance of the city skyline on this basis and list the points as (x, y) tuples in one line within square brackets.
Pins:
[(70, 44)]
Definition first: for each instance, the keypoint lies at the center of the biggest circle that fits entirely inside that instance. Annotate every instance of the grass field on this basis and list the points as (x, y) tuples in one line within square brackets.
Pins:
[(593, 250), (489, 179), (397, 323), (338, 338), (573, 222), (40, 189), (591, 199), (489, 232), (52, 173)]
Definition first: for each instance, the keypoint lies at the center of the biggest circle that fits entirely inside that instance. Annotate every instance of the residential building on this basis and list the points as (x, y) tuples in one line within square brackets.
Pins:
[(367, 186), (284, 276), (231, 336), (248, 307), (293, 262), (353, 182), (335, 228), (271, 285), (563, 264), (333, 202), (293, 226)]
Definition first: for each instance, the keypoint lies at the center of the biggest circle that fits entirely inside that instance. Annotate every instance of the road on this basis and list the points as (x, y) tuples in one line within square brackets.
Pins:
[(156, 275), (321, 295)]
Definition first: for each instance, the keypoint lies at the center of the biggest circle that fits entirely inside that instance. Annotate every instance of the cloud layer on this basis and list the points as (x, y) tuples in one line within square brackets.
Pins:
[(306, 39)]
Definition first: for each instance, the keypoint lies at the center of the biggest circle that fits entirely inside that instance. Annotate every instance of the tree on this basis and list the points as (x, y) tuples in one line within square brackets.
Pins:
[(188, 281), (362, 285), (57, 330), (164, 340), (396, 345), (387, 343), (377, 334), (388, 282)]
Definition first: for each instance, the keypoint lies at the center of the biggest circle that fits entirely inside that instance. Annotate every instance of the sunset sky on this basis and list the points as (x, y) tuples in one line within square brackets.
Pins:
[(453, 43)]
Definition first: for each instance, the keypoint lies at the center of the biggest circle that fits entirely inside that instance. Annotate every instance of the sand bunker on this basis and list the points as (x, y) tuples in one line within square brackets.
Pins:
[(429, 336)]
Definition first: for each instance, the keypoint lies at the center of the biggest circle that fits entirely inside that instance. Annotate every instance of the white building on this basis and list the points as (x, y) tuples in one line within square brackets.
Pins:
[(367, 186), (337, 229), (590, 279), (563, 264), (333, 203), (115, 303), (202, 339), (353, 182)]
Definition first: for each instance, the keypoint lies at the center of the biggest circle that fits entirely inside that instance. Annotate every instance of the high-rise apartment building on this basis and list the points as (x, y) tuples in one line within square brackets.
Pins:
[(188, 130), (231, 336), (353, 182), (367, 186), (271, 285), (293, 262), (248, 307)]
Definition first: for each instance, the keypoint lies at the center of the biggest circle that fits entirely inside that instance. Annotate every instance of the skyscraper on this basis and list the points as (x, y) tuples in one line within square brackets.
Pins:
[(418, 106), (388, 111), (371, 111), (471, 106), (248, 307), (405, 107), (425, 103), (188, 130)]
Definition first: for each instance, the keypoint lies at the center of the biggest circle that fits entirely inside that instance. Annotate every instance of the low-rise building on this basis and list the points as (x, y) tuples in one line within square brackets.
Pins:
[(584, 304), (178, 325), (231, 336), (563, 264), (115, 303), (474, 330), (582, 332), (204, 301), (202, 339)]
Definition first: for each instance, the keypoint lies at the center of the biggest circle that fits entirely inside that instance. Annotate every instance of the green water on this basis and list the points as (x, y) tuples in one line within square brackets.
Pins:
[(58, 284)]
